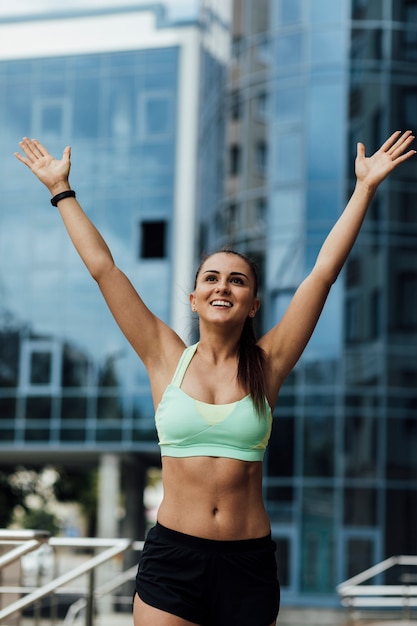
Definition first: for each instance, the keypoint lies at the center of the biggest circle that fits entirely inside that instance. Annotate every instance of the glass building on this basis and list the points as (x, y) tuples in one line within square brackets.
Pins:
[(267, 164), (307, 80), (121, 86)]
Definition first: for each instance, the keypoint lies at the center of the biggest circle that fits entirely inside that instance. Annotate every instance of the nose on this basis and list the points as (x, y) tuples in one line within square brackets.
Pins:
[(223, 286)]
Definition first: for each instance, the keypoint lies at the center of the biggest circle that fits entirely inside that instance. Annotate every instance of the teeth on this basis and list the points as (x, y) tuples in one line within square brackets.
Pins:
[(221, 303)]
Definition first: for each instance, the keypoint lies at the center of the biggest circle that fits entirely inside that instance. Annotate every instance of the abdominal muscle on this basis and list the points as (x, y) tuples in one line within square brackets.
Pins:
[(213, 497)]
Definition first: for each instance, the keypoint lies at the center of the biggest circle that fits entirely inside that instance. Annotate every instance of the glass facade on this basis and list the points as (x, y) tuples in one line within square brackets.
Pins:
[(309, 79), (67, 375)]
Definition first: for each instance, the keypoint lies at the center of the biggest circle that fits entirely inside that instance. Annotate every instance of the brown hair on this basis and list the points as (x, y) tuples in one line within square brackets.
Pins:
[(251, 360)]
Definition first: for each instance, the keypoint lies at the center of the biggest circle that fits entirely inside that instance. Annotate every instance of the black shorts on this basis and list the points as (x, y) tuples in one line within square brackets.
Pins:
[(212, 583)]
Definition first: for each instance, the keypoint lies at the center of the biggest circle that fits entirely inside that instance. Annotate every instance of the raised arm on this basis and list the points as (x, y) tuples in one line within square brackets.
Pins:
[(285, 343), (148, 335)]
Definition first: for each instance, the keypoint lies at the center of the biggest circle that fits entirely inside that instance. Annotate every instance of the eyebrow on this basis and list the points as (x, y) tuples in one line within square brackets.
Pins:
[(231, 273)]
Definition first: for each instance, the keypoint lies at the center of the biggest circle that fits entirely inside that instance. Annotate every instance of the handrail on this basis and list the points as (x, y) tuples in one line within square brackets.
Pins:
[(26, 540), (354, 594), (113, 547)]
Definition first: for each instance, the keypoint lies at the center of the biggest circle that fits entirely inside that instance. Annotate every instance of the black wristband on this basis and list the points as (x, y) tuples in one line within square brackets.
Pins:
[(60, 196)]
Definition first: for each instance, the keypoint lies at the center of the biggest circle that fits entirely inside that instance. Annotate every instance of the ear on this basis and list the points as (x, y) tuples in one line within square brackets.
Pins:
[(191, 297), (255, 307)]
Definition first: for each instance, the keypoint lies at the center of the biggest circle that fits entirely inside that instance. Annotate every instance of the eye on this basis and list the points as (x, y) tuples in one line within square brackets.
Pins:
[(237, 280), (211, 278)]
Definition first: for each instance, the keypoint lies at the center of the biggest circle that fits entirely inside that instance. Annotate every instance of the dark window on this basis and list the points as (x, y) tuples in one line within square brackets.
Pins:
[(261, 157), (153, 240), (353, 272), (41, 368), (409, 107), (235, 106), (352, 319), (375, 322), (407, 300), (235, 157)]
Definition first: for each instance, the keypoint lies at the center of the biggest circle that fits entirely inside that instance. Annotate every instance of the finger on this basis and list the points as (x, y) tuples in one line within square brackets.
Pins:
[(28, 148), (22, 159), (399, 148), (360, 150), (390, 141), (404, 157), (399, 142), (39, 148)]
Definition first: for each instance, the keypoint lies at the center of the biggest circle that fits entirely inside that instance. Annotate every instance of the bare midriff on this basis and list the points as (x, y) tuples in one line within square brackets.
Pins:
[(213, 497)]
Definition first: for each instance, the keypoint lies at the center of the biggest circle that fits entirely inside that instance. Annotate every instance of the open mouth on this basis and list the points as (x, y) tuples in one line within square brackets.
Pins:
[(222, 303)]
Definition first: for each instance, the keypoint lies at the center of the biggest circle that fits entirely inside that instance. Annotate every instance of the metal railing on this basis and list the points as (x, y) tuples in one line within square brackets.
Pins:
[(27, 541), (354, 594)]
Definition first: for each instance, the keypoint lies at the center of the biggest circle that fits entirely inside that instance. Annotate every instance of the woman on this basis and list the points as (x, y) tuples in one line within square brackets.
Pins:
[(210, 559)]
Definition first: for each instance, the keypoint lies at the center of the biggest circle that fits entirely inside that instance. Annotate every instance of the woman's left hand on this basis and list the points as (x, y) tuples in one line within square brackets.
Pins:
[(372, 170)]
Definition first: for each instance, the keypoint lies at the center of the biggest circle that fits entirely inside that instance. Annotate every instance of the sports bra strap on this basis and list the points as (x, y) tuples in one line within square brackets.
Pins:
[(183, 364)]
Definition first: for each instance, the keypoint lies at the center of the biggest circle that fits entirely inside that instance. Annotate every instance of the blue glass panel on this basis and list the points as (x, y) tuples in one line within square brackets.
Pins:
[(289, 11), (290, 50), (328, 46), (327, 11), (290, 103), (325, 120), (86, 101)]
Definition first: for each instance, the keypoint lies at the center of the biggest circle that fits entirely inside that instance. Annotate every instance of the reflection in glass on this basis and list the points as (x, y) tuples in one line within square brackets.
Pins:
[(361, 445), (359, 554), (360, 507), (317, 541), (38, 407), (40, 368), (280, 457), (400, 523), (289, 11), (283, 560), (290, 103), (401, 451), (327, 47), (318, 444), (73, 407), (290, 50)]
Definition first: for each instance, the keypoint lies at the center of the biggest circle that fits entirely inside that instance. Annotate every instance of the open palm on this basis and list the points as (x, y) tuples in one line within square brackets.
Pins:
[(49, 170), (372, 170)]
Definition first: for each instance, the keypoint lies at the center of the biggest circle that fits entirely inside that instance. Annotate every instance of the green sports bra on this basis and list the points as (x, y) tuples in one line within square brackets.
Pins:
[(188, 427)]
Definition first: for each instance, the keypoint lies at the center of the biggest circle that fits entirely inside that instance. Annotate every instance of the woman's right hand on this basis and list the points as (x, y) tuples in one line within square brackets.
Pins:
[(53, 173)]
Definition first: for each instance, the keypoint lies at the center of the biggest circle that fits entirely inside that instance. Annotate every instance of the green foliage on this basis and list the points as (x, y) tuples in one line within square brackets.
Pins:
[(39, 519)]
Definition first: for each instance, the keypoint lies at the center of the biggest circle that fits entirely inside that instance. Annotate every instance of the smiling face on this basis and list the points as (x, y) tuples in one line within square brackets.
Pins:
[(225, 289)]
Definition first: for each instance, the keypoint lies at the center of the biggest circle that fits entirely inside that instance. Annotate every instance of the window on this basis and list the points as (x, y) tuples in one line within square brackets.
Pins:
[(155, 115), (410, 34), (353, 272), (409, 106), (40, 366), (375, 321), (261, 157), (407, 300), (352, 319), (235, 160), (51, 118), (235, 106), (153, 239), (262, 104)]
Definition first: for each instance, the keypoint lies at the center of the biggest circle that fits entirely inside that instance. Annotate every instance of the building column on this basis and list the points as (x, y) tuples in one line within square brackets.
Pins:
[(108, 507)]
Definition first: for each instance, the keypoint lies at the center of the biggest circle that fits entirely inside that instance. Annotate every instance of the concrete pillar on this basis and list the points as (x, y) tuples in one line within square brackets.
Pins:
[(108, 496), (107, 520)]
